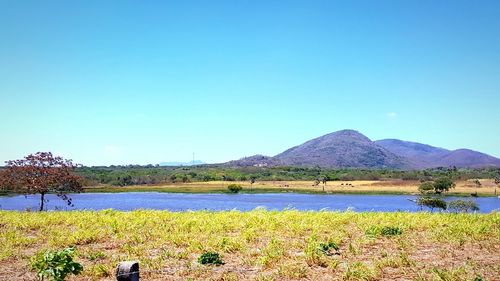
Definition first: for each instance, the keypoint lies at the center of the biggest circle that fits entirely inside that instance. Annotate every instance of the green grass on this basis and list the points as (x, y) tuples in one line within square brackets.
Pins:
[(258, 245)]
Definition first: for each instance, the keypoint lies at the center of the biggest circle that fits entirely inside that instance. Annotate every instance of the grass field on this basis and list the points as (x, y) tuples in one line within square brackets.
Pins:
[(463, 188), (259, 245)]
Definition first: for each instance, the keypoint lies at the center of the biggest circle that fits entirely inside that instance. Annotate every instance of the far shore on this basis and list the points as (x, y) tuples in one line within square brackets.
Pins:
[(463, 188)]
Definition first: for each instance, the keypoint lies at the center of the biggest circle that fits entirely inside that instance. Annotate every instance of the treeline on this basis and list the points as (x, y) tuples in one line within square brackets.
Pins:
[(137, 175)]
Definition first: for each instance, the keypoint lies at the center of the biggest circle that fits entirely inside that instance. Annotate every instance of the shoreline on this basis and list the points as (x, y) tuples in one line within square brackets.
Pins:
[(391, 187)]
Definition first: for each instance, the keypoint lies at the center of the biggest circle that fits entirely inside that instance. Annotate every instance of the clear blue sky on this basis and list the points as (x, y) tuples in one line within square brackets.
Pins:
[(119, 82)]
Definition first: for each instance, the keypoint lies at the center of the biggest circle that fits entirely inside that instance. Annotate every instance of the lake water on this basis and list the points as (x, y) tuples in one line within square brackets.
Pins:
[(204, 201)]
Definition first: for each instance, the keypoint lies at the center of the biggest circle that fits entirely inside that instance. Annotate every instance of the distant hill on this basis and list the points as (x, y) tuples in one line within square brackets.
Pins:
[(346, 148), (420, 155), (469, 158), (255, 160), (191, 163), (426, 156), (351, 149)]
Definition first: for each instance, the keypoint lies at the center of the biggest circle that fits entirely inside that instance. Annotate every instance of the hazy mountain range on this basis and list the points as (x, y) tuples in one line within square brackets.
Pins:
[(177, 163), (351, 149)]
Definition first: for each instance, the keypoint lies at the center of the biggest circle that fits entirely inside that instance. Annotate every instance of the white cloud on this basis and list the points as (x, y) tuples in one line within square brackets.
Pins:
[(392, 114)]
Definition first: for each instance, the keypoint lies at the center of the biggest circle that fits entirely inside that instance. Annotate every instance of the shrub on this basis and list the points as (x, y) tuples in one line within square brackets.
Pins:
[(462, 206), (426, 188), (234, 188), (210, 258), (55, 265)]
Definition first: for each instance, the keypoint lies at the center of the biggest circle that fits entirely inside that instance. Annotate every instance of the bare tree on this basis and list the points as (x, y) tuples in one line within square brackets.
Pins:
[(477, 183), (252, 181), (497, 182), (324, 180)]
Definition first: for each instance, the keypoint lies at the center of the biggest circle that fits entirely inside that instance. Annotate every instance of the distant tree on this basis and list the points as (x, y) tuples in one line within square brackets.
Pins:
[(477, 183), (124, 180), (432, 203), (324, 180), (443, 184), (462, 206), (426, 187), (497, 182), (252, 181), (185, 178), (173, 178), (41, 173)]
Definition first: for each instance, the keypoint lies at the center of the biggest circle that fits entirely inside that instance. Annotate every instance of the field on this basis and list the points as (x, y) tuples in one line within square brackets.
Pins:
[(259, 245), (463, 188)]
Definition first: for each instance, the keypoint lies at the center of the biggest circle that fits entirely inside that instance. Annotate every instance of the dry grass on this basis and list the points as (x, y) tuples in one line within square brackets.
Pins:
[(258, 245), (388, 186)]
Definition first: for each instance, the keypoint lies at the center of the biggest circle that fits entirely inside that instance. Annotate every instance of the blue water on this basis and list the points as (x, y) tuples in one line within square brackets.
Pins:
[(244, 202)]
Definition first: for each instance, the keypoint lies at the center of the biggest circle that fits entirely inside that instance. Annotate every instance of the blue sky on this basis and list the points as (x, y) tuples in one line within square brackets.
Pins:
[(125, 82)]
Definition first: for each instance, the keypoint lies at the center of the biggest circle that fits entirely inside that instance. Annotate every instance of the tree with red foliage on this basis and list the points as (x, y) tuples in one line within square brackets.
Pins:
[(41, 173)]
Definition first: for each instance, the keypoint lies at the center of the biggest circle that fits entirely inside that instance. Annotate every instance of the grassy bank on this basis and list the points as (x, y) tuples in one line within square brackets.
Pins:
[(463, 188), (259, 245)]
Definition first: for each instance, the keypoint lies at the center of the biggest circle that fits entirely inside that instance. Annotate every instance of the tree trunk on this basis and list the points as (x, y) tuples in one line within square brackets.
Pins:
[(42, 201)]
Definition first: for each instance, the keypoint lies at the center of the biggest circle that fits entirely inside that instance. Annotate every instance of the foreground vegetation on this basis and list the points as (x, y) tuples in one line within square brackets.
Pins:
[(258, 245)]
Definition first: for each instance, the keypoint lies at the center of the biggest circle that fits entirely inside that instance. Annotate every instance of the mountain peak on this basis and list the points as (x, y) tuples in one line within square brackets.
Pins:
[(348, 133)]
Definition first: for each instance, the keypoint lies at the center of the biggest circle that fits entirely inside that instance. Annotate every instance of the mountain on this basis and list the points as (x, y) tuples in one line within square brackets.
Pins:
[(469, 158), (255, 160), (351, 149), (346, 148), (190, 163), (426, 156)]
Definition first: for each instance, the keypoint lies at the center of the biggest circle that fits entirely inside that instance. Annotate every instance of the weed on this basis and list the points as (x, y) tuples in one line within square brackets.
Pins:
[(292, 271), (374, 231), (358, 271), (55, 265)]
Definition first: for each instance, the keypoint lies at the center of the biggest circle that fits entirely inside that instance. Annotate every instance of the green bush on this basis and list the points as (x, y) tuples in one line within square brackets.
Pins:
[(210, 258), (234, 188), (55, 265)]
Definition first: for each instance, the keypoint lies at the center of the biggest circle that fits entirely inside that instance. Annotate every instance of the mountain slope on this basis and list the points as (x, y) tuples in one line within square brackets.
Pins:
[(420, 155), (346, 148)]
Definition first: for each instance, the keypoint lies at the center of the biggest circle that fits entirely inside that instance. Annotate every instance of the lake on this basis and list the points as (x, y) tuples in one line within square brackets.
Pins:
[(127, 201)]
